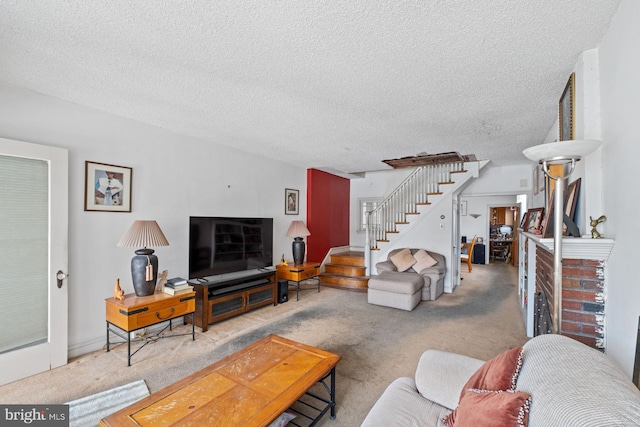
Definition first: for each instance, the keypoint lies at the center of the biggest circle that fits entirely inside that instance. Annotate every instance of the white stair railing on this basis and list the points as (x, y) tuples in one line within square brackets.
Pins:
[(404, 200)]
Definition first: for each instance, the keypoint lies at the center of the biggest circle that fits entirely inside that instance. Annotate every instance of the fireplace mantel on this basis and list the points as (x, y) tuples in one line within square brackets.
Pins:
[(577, 247)]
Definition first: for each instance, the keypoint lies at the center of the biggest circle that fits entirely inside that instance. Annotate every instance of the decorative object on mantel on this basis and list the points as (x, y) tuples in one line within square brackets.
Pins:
[(144, 266), (565, 154), (594, 223), (475, 216), (298, 230), (118, 293), (424, 159)]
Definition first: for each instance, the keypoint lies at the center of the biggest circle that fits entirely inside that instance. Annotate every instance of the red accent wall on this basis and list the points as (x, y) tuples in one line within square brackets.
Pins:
[(327, 213)]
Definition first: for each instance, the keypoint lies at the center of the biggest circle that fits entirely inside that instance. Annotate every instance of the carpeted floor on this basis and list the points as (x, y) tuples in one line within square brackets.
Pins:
[(377, 344)]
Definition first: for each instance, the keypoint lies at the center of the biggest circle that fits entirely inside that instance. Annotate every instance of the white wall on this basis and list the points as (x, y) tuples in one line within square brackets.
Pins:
[(620, 97), (173, 178)]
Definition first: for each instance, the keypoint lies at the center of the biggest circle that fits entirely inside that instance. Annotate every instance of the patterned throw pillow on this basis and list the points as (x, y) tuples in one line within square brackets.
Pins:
[(496, 375), (482, 408)]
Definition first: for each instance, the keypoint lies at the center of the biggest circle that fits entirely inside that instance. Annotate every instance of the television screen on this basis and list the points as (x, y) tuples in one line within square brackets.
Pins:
[(220, 245)]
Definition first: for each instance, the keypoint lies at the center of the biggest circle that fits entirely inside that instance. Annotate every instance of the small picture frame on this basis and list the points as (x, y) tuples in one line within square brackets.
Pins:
[(566, 107), (533, 223), (291, 201), (107, 188)]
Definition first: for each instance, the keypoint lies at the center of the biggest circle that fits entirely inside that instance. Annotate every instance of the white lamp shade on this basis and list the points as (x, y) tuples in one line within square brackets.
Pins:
[(143, 234), (572, 149), (297, 229)]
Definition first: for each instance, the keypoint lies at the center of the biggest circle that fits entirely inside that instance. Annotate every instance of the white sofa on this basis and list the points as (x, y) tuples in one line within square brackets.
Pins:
[(571, 385)]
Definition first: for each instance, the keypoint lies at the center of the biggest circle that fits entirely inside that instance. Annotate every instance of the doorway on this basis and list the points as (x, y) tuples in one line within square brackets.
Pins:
[(503, 234)]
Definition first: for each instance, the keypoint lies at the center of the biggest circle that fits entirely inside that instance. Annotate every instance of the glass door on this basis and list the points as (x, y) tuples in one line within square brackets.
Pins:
[(33, 255)]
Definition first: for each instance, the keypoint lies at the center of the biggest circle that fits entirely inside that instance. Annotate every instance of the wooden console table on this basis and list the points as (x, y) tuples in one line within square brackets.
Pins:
[(298, 273), (134, 312), (251, 387)]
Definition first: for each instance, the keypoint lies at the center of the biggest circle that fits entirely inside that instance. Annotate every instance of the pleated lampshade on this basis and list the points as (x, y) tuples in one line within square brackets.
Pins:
[(143, 234)]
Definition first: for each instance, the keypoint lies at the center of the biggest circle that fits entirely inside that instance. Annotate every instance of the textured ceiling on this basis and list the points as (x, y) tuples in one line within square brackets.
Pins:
[(337, 84)]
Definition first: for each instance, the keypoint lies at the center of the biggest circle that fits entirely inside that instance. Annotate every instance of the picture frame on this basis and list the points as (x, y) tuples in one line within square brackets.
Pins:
[(291, 201), (566, 109), (523, 220), (534, 220), (571, 201), (107, 188), (463, 208)]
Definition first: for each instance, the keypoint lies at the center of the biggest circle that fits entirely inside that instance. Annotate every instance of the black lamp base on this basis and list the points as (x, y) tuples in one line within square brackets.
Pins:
[(298, 247), (141, 286)]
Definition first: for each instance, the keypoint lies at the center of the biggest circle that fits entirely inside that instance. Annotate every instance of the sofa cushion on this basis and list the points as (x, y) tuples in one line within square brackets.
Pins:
[(480, 408), (401, 405), (440, 376), (403, 260), (399, 283), (499, 373), (423, 260)]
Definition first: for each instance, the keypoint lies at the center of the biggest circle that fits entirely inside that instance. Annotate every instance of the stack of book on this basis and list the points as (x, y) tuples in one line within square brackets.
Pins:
[(177, 286)]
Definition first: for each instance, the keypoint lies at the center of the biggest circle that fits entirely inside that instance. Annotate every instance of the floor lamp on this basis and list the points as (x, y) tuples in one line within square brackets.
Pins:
[(565, 153)]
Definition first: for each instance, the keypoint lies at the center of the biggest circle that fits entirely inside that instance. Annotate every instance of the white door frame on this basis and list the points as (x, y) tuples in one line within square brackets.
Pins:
[(31, 360)]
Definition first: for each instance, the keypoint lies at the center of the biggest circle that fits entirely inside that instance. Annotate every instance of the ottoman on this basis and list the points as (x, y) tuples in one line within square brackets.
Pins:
[(397, 290)]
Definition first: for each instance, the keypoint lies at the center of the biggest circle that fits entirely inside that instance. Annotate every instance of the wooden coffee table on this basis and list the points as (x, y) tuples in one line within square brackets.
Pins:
[(251, 387)]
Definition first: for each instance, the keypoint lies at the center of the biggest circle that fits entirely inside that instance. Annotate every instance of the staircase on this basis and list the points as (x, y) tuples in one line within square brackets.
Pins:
[(424, 188), (345, 271)]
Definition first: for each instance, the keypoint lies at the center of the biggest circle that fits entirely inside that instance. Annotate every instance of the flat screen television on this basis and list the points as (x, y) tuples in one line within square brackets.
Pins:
[(219, 245)]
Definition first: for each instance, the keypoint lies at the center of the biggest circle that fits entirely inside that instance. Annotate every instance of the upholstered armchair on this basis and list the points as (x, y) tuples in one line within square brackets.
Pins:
[(435, 272)]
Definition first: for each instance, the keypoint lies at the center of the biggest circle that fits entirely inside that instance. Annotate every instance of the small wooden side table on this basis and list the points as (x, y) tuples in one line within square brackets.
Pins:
[(298, 273), (134, 312)]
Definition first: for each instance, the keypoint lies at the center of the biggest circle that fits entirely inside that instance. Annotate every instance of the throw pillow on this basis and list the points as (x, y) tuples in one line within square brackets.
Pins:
[(481, 408), (499, 373), (423, 260), (403, 260)]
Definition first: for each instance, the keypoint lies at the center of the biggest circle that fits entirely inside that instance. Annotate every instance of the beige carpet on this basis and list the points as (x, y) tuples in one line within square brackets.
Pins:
[(377, 344)]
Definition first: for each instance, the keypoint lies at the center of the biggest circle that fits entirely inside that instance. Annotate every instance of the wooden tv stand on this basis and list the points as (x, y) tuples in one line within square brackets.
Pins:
[(221, 299)]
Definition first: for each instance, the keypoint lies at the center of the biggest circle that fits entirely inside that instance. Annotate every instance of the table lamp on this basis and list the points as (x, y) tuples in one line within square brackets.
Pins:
[(144, 266), (565, 153), (298, 230)]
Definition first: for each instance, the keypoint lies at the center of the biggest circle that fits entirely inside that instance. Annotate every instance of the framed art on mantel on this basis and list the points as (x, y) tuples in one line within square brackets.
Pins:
[(291, 201), (107, 188), (566, 107)]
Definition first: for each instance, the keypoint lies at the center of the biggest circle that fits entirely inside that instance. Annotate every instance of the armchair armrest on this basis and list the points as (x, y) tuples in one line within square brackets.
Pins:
[(437, 270), (441, 375), (385, 266)]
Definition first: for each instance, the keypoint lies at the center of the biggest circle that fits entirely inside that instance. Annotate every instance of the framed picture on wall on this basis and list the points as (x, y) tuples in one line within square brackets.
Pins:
[(566, 107), (107, 188), (291, 201)]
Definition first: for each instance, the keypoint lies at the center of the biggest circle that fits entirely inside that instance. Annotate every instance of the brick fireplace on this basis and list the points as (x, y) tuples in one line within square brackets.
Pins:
[(582, 296), (584, 285)]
